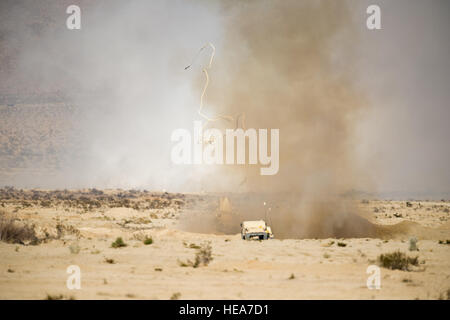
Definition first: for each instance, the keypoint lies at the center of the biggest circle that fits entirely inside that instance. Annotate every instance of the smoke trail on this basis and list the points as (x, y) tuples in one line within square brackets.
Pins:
[(205, 86)]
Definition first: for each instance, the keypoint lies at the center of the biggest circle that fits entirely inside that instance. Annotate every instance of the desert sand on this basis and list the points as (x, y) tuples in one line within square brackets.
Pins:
[(78, 228)]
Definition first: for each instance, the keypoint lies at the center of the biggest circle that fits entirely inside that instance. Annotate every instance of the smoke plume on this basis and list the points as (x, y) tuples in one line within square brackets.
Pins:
[(290, 65)]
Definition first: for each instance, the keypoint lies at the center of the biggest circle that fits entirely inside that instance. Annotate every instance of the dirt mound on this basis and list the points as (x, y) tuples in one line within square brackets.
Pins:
[(409, 228), (355, 226)]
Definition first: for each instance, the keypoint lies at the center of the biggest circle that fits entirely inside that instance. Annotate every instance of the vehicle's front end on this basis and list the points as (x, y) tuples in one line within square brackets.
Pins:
[(255, 229)]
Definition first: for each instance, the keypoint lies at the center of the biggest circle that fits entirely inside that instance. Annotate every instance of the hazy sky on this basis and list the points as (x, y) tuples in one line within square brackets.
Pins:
[(134, 54), (405, 69)]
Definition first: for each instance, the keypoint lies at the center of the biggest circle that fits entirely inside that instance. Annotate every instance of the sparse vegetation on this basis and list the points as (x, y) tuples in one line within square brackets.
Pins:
[(413, 244), (12, 232), (397, 261), (328, 244), (148, 240), (58, 297), (175, 296), (62, 229), (280, 252), (202, 257), (93, 199), (46, 203), (54, 297), (118, 243)]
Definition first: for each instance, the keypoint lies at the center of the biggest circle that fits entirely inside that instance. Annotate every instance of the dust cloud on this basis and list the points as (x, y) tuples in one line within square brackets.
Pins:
[(289, 65)]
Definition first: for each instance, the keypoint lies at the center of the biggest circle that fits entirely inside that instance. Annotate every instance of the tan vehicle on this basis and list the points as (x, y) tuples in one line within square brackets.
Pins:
[(256, 229)]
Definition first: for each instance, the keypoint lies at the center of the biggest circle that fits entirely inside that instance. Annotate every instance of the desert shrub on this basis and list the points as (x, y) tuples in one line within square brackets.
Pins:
[(46, 203), (148, 241), (397, 261), (14, 233), (118, 243), (110, 261), (26, 204), (202, 257), (62, 229), (175, 296), (413, 244), (341, 244)]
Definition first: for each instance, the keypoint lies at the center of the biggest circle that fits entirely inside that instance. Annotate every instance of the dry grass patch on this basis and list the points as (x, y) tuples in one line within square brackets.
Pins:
[(148, 240), (58, 297), (12, 232), (175, 296), (397, 261), (203, 257)]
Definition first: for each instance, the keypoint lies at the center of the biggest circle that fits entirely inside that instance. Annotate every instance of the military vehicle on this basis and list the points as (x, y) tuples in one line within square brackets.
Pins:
[(256, 229)]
